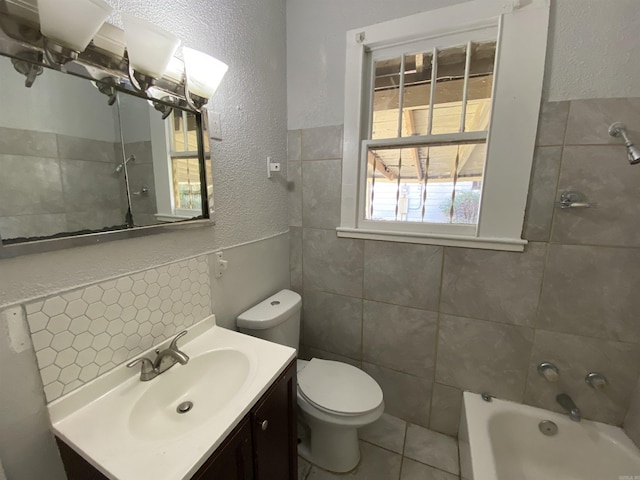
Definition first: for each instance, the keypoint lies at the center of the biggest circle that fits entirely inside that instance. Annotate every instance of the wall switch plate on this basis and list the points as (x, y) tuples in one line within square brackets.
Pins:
[(215, 126)]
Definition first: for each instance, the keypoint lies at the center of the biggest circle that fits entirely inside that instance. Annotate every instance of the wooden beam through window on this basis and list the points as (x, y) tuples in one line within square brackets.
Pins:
[(376, 162), (418, 95)]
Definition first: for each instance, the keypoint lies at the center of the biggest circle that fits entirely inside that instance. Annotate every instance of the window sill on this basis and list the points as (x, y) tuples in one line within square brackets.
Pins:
[(486, 243), (170, 217)]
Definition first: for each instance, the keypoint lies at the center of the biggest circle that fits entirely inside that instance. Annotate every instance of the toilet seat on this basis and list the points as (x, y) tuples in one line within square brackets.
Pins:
[(338, 388)]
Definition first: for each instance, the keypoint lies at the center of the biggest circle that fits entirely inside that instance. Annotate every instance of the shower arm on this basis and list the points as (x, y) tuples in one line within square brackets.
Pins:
[(619, 130)]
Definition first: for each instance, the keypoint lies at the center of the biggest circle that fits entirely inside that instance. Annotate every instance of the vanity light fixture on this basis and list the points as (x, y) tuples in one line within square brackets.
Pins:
[(149, 49), (69, 25), (203, 74), (67, 28)]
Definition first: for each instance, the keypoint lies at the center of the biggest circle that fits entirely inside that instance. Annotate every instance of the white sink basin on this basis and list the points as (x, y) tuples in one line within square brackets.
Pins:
[(209, 381), (130, 430)]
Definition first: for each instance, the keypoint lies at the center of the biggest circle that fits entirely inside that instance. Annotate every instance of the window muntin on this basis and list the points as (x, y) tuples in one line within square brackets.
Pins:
[(422, 96)]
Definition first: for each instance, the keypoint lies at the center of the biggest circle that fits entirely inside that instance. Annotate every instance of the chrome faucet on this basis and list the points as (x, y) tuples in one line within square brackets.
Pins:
[(165, 359), (568, 404)]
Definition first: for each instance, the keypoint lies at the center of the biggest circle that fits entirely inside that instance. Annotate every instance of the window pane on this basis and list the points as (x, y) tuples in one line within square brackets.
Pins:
[(386, 95), (417, 92), (449, 91), (186, 183), (426, 184), (177, 138), (479, 87), (192, 137)]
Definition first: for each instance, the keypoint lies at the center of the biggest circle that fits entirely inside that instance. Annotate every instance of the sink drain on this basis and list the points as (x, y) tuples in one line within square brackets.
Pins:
[(548, 428), (184, 407)]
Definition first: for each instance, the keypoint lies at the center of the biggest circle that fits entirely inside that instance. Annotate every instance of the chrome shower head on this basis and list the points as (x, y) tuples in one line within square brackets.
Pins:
[(120, 166), (633, 153), (620, 130)]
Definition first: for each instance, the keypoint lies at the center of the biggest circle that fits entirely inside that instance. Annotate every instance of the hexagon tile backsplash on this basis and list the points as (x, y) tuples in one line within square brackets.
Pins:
[(86, 332)]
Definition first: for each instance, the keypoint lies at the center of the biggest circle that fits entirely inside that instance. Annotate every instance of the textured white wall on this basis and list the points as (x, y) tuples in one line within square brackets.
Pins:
[(316, 33), (594, 51)]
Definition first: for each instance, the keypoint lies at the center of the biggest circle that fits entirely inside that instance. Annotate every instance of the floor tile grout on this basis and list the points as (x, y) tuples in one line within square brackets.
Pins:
[(403, 457)]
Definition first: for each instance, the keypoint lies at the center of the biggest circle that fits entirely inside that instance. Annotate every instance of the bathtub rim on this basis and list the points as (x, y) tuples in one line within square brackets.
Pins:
[(475, 446)]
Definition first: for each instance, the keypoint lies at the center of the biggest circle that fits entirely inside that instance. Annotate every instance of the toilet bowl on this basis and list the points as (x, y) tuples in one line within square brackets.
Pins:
[(334, 398)]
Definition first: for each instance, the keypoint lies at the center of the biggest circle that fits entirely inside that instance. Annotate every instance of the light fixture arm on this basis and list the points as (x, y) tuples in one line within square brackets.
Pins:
[(196, 102), (57, 55), (139, 81), (620, 130)]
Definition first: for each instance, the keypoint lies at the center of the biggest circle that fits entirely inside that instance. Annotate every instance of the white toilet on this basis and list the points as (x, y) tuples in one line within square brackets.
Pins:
[(334, 398)]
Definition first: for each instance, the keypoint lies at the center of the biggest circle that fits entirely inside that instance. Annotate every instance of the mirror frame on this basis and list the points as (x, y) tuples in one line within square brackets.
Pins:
[(19, 35)]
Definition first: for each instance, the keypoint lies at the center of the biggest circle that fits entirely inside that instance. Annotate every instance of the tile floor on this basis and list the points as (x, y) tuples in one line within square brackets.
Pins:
[(393, 449)]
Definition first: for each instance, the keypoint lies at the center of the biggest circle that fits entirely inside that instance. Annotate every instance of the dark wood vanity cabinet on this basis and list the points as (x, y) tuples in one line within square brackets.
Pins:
[(267, 438), (274, 431), (233, 460), (262, 447)]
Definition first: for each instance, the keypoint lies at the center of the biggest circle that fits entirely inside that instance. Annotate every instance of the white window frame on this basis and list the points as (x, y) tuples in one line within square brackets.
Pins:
[(518, 77), (162, 141)]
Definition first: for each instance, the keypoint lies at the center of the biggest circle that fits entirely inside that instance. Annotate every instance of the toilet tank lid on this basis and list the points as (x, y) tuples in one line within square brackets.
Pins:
[(271, 312)]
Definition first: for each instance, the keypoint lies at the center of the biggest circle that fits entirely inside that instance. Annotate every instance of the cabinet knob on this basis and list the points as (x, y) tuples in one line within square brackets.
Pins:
[(263, 424)]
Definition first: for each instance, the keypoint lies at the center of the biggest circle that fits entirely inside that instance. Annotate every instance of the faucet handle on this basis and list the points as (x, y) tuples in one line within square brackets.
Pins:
[(174, 342), (147, 365), (595, 380), (548, 371)]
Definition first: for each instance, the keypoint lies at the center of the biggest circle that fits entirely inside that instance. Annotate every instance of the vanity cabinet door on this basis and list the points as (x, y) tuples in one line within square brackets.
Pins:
[(233, 459), (273, 421), (76, 467)]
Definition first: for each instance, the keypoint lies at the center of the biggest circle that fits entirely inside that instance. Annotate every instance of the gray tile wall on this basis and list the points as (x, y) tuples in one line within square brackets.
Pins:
[(54, 183), (83, 333), (428, 322)]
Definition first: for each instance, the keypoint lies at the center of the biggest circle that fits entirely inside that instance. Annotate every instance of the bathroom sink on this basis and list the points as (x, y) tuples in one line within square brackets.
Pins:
[(123, 426), (184, 397)]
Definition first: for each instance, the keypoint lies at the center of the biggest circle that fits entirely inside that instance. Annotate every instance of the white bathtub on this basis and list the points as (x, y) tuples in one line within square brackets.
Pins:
[(500, 440)]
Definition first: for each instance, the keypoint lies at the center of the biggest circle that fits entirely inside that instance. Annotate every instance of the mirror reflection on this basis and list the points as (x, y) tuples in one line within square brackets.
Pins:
[(71, 163)]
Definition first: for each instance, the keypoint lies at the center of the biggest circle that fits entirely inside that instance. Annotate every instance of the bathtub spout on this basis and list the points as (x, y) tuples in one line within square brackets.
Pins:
[(567, 403)]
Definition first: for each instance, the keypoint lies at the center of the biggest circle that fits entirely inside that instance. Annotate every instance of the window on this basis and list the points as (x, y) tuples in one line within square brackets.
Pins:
[(185, 165), (440, 124)]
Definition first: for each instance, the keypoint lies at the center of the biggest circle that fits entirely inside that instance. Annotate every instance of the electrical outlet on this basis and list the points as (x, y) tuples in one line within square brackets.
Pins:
[(220, 264), (272, 167)]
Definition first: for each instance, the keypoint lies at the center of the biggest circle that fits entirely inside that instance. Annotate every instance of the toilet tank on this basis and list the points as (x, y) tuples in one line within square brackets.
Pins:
[(276, 319)]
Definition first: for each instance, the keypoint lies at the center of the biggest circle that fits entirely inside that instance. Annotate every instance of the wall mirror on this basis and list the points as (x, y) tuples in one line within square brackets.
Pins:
[(82, 162)]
